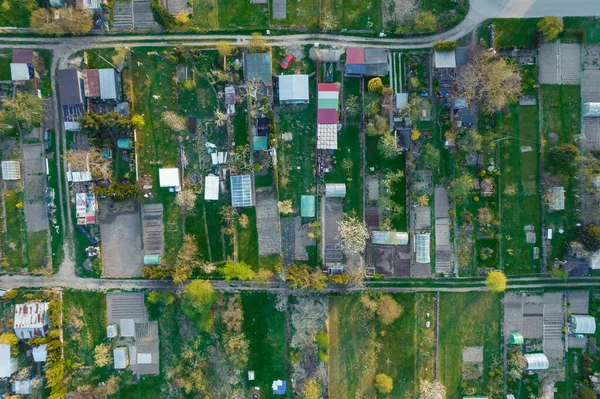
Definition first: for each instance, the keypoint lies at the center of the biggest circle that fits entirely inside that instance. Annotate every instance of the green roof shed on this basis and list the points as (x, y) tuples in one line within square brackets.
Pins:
[(308, 206), (516, 338)]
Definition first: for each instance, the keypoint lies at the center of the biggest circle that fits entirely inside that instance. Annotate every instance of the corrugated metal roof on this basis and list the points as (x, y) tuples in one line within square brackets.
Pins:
[(293, 88), (30, 315), (91, 83), (70, 87), (8, 366), (19, 72), (22, 57), (127, 327), (308, 206), (355, 55), (328, 103), (376, 55), (327, 87), (327, 116), (108, 83)]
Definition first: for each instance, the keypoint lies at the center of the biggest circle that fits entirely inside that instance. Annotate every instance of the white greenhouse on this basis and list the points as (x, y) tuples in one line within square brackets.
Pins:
[(536, 361), (583, 324)]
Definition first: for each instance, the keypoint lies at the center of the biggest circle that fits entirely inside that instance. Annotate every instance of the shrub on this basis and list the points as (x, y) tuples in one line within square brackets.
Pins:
[(590, 237), (445, 46), (162, 16), (564, 154)]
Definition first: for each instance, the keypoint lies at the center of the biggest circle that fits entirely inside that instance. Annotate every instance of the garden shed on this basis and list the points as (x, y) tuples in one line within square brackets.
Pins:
[(23, 57), (591, 109), (401, 101), (241, 191), (8, 365), (121, 357), (31, 320), (293, 89), (366, 61), (444, 59), (39, 353), (19, 72), (108, 83), (557, 199), (91, 83), (335, 190), (422, 248), (11, 170), (71, 95), (211, 188), (258, 67), (328, 96), (536, 361), (169, 177), (308, 206), (583, 324), (389, 238), (127, 327)]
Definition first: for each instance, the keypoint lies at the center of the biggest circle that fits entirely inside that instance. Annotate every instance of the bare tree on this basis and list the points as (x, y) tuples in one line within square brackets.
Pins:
[(102, 355), (174, 121), (353, 233), (328, 21), (221, 118), (92, 161), (490, 81), (432, 390), (186, 199)]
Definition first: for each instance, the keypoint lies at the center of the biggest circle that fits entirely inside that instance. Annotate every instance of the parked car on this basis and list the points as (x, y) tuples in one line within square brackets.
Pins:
[(287, 61)]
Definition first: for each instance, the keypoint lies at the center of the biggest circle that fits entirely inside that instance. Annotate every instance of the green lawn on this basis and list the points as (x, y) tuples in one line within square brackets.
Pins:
[(296, 158), (349, 334), (13, 258), (205, 15), (302, 14), (349, 148), (56, 237), (519, 191), (467, 319), (512, 33), (5, 60), (79, 344), (235, 14), (265, 330), (248, 239), (590, 25), (561, 115), (355, 14)]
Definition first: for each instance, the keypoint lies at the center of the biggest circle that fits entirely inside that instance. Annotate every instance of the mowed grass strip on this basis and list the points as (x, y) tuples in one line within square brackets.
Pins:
[(265, 330), (519, 192), (467, 319), (242, 14)]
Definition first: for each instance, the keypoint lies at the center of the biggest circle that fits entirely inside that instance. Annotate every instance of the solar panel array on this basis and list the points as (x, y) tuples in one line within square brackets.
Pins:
[(241, 191)]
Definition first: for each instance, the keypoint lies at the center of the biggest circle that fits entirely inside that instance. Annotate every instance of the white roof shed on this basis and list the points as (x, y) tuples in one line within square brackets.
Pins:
[(11, 170), (8, 365), (293, 89), (445, 59), (211, 188), (121, 357), (127, 327), (39, 353), (589, 109), (19, 72), (401, 101), (583, 324), (108, 84), (536, 361), (335, 190), (169, 177)]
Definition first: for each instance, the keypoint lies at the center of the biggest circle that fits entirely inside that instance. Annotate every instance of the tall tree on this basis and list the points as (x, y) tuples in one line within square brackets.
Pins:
[(462, 187), (198, 299), (496, 281), (257, 43), (489, 81), (425, 22), (550, 27), (431, 156), (237, 271), (23, 108)]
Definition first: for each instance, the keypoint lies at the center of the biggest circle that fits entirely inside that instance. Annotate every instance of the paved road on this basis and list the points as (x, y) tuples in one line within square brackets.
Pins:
[(536, 8)]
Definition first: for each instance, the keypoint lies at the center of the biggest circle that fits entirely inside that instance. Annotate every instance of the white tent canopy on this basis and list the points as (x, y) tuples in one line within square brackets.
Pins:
[(211, 188), (583, 324), (39, 353), (293, 88), (445, 59), (536, 361), (169, 177), (19, 72)]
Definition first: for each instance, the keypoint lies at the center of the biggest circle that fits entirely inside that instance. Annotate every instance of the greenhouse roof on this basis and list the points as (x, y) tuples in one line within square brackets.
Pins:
[(422, 243), (335, 190), (308, 206), (241, 191), (583, 324)]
